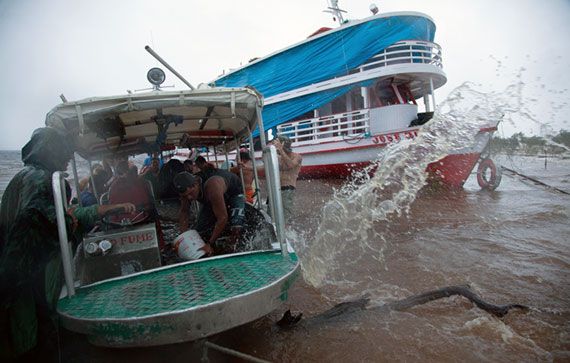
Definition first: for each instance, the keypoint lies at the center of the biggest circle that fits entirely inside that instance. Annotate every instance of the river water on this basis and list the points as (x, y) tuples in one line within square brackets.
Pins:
[(510, 245), (389, 237)]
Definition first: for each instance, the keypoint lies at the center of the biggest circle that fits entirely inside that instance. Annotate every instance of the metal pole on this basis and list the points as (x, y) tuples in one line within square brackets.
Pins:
[(432, 93), (255, 176), (365, 96), (58, 196), (274, 187), (93, 182), (238, 161), (158, 58), (232, 352), (426, 103), (76, 179), (227, 159), (261, 128)]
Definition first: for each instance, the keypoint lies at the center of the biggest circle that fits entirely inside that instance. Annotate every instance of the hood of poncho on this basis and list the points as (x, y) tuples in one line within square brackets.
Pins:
[(48, 148)]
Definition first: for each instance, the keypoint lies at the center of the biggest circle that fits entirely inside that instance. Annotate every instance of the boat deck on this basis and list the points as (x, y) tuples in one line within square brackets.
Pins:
[(178, 288)]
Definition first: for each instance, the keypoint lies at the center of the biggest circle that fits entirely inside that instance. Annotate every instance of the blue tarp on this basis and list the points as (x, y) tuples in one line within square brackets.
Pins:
[(323, 58)]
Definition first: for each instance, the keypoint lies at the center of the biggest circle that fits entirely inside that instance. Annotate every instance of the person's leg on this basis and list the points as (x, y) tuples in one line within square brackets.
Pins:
[(287, 198)]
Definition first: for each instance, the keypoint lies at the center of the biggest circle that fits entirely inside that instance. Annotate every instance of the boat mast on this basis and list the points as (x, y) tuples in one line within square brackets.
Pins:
[(335, 11)]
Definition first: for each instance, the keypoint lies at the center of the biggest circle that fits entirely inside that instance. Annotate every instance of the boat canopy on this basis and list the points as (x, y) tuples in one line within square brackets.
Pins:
[(154, 121), (328, 55)]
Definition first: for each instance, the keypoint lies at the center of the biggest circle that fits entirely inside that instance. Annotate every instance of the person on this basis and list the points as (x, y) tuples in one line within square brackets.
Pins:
[(84, 182), (289, 167), (96, 184), (245, 165), (165, 177), (203, 165), (151, 174), (30, 262), (127, 187), (189, 166), (221, 195)]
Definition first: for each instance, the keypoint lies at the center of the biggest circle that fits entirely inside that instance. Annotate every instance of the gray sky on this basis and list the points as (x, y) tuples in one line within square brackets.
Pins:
[(96, 48)]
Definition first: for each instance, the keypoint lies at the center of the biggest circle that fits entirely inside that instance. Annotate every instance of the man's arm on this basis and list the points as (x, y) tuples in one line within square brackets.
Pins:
[(214, 190), (287, 161), (184, 215)]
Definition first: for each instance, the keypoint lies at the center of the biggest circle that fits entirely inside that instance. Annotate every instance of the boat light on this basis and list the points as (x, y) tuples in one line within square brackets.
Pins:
[(156, 76)]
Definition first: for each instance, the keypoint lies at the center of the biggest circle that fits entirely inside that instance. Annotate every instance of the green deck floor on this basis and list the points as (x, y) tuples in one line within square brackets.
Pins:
[(178, 288)]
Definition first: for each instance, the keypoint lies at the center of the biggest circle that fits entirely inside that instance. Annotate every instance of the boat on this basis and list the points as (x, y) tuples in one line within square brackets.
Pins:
[(343, 95), (118, 290)]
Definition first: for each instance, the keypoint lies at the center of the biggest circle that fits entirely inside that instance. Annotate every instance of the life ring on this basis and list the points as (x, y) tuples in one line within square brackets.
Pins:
[(488, 175)]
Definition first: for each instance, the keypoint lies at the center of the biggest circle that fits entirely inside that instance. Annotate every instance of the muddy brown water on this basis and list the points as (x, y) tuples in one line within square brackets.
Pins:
[(511, 246)]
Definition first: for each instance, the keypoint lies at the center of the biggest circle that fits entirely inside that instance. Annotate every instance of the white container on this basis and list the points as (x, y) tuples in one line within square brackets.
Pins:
[(188, 245)]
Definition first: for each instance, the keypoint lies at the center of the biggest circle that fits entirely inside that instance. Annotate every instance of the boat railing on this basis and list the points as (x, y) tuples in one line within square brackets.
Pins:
[(332, 127), (405, 52), (59, 196)]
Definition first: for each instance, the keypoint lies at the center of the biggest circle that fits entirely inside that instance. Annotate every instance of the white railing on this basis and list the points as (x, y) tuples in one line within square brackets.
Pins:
[(405, 52), (333, 127)]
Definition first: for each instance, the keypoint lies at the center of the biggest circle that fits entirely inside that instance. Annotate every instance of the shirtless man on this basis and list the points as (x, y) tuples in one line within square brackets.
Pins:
[(246, 167), (289, 167)]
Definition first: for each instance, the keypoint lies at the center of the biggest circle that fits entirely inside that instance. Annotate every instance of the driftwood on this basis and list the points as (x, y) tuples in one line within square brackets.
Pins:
[(361, 304)]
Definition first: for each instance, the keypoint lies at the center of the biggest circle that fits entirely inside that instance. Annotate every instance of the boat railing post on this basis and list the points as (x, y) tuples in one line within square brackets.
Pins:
[(432, 93), (238, 162), (426, 103), (95, 191), (76, 179), (227, 158), (255, 176), (58, 187), (274, 190)]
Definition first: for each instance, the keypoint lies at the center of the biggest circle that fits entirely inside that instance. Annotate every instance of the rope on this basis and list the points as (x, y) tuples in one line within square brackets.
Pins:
[(228, 351), (535, 181)]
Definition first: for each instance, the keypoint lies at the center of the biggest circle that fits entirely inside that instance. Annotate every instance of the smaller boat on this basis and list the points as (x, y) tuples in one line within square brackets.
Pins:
[(118, 289)]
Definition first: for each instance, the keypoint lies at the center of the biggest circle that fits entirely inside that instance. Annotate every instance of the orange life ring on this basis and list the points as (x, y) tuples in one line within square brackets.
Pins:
[(488, 175)]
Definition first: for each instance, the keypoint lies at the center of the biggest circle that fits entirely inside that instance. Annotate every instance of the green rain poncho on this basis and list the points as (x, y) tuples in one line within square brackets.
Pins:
[(30, 263)]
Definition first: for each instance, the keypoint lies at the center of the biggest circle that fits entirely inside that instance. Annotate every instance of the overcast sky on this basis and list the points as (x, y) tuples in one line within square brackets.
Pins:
[(96, 48)]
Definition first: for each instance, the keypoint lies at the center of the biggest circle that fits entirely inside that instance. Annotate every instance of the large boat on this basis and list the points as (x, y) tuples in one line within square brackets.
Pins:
[(342, 95), (120, 290)]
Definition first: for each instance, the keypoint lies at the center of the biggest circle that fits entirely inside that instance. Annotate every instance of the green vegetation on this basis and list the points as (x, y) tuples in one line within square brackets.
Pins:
[(519, 143)]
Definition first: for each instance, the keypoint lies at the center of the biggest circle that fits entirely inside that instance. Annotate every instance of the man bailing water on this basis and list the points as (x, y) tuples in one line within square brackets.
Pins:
[(30, 262), (221, 195)]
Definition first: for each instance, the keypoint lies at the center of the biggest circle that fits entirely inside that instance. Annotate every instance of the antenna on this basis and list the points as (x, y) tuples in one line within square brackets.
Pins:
[(335, 11)]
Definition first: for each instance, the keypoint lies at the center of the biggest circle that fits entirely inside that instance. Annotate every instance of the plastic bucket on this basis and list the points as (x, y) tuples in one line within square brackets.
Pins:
[(188, 245)]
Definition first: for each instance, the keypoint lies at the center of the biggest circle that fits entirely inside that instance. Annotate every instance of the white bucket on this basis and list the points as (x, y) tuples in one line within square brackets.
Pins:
[(188, 245)]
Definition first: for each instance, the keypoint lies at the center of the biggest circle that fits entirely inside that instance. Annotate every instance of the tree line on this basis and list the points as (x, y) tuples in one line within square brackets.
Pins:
[(519, 143)]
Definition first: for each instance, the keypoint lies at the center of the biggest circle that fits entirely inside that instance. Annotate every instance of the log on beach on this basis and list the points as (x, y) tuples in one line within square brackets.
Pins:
[(345, 308)]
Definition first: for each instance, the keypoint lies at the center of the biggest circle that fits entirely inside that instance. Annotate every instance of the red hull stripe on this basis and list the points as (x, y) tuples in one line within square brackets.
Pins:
[(451, 171)]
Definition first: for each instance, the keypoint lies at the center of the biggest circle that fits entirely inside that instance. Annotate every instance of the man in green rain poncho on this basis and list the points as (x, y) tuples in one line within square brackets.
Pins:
[(31, 274)]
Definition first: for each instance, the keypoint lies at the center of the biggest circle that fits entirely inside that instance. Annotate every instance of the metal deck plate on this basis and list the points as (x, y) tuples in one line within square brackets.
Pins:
[(177, 288)]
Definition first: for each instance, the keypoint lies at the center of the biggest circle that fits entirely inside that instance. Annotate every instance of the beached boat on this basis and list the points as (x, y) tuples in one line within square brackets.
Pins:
[(342, 95), (118, 291)]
